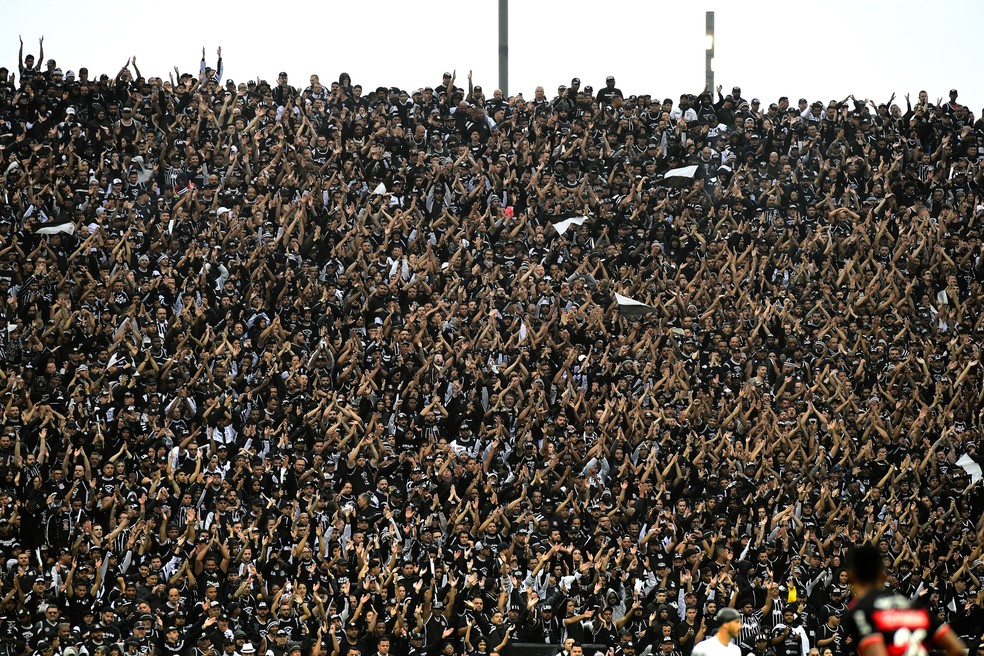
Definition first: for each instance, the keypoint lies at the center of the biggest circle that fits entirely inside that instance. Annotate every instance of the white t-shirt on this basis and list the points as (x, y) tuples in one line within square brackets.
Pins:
[(713, 647)]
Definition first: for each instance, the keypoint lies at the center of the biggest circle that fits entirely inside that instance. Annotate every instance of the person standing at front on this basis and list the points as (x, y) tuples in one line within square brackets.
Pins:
[(722, 642)]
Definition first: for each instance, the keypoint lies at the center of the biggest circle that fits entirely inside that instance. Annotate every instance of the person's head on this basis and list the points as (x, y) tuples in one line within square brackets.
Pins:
[(730, 623), (865, 567)]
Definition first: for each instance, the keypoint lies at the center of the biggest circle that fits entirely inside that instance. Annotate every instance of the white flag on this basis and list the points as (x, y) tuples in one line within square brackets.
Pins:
[(379, 190), (522, 331), (631, 307), (67, 228), (562, 226), (684, 172), (971, 467)]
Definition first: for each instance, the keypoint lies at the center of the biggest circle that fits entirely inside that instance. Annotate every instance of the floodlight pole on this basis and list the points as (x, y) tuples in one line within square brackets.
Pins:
[(709, 54), (504, 46)]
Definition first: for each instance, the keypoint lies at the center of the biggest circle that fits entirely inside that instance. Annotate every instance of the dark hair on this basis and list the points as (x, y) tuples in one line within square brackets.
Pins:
[(865, 563)]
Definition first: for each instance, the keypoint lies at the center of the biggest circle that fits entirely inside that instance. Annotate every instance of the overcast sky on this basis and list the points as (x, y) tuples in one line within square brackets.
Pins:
[(820, 50)]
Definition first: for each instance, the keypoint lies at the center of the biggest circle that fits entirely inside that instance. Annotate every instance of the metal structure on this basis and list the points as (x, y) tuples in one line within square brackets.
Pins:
[(709, 55), (504, 47)]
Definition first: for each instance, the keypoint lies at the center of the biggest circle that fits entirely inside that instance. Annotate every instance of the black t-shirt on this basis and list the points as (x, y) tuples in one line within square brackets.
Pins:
[(362, 478), (837, 633), (887, 617)]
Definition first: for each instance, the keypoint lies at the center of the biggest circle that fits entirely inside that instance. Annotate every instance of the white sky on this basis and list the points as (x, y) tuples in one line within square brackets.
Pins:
[(820, 50)]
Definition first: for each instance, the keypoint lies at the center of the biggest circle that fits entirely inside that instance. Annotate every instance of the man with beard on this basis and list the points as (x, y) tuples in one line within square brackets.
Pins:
[(722, 643)]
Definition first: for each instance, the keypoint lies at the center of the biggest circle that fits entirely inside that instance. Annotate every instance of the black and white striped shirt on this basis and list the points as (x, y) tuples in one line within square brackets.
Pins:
[(751, 625)]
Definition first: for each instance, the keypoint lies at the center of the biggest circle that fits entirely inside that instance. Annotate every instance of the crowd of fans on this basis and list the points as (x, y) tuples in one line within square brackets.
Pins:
[(313, 369)]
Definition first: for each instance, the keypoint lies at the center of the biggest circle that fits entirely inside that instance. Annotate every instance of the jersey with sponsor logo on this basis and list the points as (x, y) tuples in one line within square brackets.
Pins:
[(887, 617)]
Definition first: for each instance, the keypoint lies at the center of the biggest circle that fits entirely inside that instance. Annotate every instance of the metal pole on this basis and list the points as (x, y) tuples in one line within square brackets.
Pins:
[(504, 46), (709, 50)]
